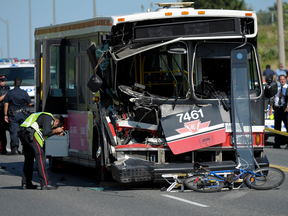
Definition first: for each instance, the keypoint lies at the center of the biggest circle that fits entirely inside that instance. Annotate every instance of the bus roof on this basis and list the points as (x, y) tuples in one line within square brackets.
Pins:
[(104, 24)]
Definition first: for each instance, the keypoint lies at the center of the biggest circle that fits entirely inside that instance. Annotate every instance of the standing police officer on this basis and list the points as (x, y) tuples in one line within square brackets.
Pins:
[(3, 124), (15, 101)]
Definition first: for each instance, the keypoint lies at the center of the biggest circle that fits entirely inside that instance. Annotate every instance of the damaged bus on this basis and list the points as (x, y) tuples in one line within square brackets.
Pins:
[(166, 100)]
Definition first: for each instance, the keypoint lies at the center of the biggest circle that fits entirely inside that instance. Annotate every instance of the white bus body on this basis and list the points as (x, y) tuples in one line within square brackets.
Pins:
[(173, 53)]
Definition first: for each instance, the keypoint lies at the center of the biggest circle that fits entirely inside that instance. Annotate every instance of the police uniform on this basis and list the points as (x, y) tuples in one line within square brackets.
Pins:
[(33, 133), (279, 115), (3, 125), (17, 99)]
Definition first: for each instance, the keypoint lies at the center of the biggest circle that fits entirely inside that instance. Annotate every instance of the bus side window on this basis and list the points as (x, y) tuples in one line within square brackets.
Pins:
[(55, 90)]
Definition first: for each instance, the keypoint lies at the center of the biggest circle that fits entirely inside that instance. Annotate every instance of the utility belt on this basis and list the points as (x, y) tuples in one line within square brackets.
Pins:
[(12, 112), (30, 130), (20, 111)]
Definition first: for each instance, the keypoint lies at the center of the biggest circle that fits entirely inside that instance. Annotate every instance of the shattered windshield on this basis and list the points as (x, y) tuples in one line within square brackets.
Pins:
[(162, 71), (212, 69)]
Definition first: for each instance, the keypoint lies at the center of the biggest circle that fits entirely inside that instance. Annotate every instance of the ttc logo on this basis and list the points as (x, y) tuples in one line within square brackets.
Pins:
[(193, 126)]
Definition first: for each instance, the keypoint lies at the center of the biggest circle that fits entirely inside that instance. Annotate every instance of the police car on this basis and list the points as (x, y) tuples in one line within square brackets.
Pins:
[(20, 68)]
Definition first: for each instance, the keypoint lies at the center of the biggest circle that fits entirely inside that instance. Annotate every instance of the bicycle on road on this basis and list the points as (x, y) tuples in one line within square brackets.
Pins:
[(212, 181)]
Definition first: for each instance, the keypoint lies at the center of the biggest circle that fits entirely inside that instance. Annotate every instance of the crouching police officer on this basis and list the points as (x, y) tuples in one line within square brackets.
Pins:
[(3, 124), (33, 132), (15, 102)]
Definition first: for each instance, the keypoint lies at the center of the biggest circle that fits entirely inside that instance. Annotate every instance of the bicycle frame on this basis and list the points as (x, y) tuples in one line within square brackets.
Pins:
[(232, 180)]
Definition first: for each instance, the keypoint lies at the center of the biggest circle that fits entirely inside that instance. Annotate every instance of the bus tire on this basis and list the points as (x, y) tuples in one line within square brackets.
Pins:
[(103, 173)]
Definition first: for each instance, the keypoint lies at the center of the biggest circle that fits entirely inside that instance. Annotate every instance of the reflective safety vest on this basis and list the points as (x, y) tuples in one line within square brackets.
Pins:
[(31, 122)]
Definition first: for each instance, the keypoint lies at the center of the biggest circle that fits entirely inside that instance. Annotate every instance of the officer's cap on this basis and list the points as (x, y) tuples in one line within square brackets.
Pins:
[(3, 77)]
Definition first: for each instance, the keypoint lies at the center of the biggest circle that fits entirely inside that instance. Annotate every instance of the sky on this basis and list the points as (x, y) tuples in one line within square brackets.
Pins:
[(17, 14)]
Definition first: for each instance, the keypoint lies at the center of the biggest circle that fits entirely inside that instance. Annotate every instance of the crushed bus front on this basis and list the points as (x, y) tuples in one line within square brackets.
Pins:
[(171, 106)]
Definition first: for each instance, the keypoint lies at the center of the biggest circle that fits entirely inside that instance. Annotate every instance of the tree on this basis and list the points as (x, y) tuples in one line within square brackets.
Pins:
[(285, 21), (218, 4)]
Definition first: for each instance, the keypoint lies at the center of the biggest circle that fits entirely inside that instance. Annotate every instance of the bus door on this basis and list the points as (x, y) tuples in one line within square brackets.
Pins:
[(51, 88)]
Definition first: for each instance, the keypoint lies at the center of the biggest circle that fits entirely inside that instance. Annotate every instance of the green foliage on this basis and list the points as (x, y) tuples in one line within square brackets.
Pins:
[(265, 18), (217, 4), (268, 46), (285, 13), (285, 22), (270, 54)]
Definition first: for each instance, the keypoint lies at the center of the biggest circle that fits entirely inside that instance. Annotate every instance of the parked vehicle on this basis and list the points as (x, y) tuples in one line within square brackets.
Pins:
[(24, 69)]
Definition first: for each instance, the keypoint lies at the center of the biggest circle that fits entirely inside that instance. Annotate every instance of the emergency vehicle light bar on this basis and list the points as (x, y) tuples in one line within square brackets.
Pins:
[(17, 61)]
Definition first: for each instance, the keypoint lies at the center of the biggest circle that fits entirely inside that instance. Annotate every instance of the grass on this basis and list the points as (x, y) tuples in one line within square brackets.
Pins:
[(268, 47)]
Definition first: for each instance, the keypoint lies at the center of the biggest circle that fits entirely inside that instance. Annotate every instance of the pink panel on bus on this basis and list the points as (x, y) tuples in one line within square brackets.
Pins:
[(78, 128)]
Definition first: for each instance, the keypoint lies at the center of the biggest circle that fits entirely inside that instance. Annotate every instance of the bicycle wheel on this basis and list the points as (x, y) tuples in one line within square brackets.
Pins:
[(204, 184), (265, 178)]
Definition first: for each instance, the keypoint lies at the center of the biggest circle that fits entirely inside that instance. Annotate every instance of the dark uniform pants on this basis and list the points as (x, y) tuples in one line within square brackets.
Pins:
[(279, 116), (14, 124), (33, 150)]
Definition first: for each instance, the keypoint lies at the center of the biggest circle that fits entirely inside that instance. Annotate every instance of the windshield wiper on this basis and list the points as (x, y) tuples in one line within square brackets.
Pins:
[(216, 94), (178, 93)]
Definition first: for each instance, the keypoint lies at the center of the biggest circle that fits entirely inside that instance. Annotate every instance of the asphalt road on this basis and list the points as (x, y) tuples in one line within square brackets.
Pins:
[(80, 193)]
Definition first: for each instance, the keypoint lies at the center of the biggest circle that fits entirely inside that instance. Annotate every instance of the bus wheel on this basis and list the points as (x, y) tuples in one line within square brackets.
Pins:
[(103, 173)]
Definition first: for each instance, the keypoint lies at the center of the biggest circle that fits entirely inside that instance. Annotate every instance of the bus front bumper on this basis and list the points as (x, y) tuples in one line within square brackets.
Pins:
[(137, 170)]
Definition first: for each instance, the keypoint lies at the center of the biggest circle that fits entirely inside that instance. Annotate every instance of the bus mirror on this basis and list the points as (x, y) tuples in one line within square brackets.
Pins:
[(94, 83), (269, 79), (91, 54)]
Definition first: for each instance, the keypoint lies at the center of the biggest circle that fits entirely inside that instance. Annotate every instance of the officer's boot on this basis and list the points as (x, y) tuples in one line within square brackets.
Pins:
[(14, 151)]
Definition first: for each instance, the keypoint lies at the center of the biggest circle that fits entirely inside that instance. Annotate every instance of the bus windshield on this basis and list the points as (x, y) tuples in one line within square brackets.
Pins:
[(25, 73), (212, 64)]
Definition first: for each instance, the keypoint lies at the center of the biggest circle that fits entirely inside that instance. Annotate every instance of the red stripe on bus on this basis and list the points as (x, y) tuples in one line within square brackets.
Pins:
[(112, 129)]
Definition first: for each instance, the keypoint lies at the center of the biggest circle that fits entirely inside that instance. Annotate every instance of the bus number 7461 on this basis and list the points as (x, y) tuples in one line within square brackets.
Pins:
[(194, 114)]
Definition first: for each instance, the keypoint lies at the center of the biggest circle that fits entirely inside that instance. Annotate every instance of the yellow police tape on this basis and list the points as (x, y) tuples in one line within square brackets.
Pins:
[(277, 131), (284, 169)]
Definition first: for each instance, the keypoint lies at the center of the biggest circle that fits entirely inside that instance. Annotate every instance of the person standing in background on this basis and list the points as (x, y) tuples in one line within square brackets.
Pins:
[(16, 101), (280, 107), (267, 71), (3, 124), (280, 71)]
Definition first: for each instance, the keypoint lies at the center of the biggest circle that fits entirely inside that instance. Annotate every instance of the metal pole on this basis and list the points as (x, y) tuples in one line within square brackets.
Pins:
[(1, 52), (281, 45), (8, 49), (30, 29), (54, 13), (94, 6)]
